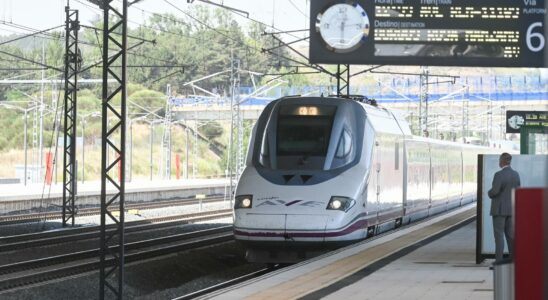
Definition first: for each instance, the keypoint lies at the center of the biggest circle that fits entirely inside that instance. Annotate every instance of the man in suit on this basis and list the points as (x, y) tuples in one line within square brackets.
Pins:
[(504, 182)]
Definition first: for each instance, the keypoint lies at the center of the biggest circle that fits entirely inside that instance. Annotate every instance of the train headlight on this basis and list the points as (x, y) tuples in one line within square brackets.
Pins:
[(340, 203), (243, 201)]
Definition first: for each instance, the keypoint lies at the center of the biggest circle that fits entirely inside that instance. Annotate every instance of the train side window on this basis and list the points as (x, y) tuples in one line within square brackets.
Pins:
[(397, 158), (345, 145), (264, 151), (264, 157)]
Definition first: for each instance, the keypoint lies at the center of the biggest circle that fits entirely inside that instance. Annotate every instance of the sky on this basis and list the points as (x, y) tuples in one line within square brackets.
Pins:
[(43, 14)]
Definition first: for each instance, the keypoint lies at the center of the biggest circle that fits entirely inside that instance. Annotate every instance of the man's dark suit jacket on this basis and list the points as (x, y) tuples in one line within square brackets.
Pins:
[(501, 192)]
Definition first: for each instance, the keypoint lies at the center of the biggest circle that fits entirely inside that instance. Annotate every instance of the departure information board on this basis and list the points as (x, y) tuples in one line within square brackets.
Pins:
[(515, 119), (497, 33)]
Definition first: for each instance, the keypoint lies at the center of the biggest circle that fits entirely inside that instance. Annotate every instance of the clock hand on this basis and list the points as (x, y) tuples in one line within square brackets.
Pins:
[(342, 27)]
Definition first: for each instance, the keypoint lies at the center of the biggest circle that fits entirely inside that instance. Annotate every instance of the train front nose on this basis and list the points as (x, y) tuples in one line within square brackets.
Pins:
[(305, 227), (255, 226)]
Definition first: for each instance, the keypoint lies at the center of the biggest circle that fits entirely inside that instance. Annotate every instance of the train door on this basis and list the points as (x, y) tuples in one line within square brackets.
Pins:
[(372, 201)]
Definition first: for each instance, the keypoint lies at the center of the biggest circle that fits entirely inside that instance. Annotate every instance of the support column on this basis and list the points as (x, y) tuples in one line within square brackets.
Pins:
[(166, 140), (343, 80), (465, 113), (423, 102), (72, 64), (234, 160), (113, 138)]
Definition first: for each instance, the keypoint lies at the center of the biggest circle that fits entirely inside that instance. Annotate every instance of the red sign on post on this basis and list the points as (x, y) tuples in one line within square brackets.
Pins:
[(529, 248), (49, 168), (119, 170), (178, 165)]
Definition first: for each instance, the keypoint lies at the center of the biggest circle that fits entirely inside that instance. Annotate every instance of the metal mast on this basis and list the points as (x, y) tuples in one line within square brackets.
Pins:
[(343, 80), (423, 102), (465, 112), (35, 149), (113, 138), (72, 65), (41, 124), (195, 147), (235, 127), (240, 124), (166, 140)]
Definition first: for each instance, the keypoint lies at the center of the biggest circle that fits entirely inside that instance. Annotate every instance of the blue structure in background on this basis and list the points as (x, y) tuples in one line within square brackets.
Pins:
[(498, 88)]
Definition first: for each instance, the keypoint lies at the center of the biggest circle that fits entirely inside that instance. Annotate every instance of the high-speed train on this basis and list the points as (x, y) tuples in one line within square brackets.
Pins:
[(322, 172)]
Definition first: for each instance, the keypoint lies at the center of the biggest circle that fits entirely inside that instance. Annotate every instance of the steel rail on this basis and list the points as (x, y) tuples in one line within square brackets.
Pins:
[(226, 284), (56, 237), (55, 269), (35, 217)]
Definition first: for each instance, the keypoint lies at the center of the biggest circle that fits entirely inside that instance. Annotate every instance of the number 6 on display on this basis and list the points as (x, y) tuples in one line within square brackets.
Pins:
[(530, 35)]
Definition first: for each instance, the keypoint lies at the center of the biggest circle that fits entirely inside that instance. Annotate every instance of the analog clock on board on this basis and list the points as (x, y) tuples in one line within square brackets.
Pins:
[(343, 26)]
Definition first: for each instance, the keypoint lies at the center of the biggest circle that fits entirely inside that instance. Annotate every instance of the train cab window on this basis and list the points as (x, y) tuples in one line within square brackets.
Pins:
[(309, 140), (343, 154), (303, 134), (345, 145)]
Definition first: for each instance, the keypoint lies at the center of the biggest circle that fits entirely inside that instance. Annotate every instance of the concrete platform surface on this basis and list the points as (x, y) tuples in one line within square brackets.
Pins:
[(429, 268), (444, 269)]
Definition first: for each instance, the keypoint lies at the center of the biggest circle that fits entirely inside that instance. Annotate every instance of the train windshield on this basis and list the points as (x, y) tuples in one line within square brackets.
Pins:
[(303, 135), (315, 137)]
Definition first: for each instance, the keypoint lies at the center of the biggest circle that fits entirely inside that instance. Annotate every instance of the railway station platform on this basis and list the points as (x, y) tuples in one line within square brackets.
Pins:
[(17, 197), (434, 259), (10, 192)]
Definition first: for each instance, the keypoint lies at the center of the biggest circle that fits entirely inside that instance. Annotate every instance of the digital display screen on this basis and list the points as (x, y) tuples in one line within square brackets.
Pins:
[(307, 110), (498, 33)]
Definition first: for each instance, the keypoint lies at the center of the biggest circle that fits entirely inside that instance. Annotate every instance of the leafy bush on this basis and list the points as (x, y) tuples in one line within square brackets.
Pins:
[(211, 130)]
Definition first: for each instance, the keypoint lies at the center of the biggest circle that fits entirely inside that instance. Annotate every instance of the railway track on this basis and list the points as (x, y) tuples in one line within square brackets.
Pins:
[(35, 217), (31, 272), (81, 233), (226, 284)]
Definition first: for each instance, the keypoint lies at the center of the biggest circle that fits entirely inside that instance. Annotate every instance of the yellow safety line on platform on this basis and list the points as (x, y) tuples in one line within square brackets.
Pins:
[(327, 275)]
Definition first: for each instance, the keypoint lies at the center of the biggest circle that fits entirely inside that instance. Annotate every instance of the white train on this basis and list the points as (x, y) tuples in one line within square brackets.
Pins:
[(323, 172)]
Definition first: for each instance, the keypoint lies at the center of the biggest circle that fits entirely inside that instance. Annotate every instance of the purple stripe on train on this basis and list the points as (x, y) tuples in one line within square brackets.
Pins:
[(360, 224)]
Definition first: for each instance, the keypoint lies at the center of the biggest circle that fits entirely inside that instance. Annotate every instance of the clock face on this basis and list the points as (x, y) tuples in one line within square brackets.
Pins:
[(343, 26)]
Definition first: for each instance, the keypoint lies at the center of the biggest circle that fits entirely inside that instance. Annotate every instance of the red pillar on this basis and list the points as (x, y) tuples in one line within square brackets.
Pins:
[(49, 168), (529, 243), (178, 165), (119, 170)]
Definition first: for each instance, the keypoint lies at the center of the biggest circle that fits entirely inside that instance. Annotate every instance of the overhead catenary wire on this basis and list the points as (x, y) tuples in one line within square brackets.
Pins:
[(216, 30), (31, 61), (254, 48), (297, 8), (29, 35), (317, 67), (54, 135), (52, 37), (145, 26), (201, 22)]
